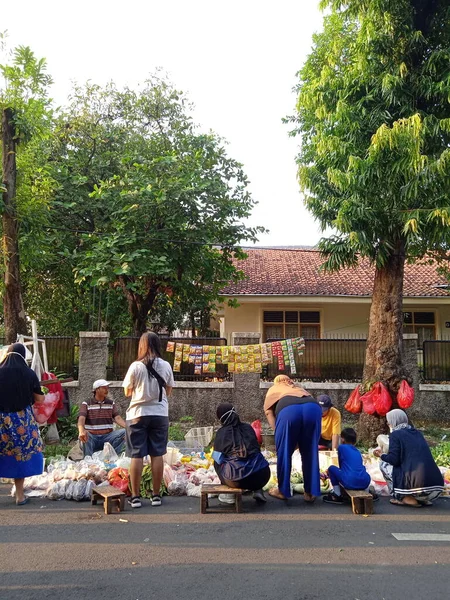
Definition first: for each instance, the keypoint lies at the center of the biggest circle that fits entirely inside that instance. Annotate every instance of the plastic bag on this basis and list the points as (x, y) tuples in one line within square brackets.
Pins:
[(57, 490), (70, 489), (368, 403), (79, 490), (193, 490), (405, 396), (382, 399), (354, 404), (258, 430), (119, 478), (124, 462), (43, 410), (108, 456), (177, 487)]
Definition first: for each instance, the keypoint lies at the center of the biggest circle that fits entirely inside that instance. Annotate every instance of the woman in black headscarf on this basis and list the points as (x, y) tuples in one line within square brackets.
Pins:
[(20, 443), (238, 459)]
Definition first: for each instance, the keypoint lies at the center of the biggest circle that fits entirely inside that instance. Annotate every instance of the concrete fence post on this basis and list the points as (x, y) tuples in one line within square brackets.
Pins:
[(93, 360), (246, 392)]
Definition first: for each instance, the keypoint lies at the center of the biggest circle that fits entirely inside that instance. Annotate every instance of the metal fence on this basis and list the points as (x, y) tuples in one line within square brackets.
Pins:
[(62, 354), (325, 360), (123, 351), (436, 360)]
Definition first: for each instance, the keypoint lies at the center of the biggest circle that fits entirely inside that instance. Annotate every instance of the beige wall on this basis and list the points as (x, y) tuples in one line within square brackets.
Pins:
[(339, 316)]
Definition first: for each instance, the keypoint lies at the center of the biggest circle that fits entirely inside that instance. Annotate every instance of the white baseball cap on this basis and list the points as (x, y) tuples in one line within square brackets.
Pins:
[(100, 383)]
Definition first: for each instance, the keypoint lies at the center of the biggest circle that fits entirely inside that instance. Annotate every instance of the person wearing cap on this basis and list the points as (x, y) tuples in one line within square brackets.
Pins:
[(331, 423), (96, 421)]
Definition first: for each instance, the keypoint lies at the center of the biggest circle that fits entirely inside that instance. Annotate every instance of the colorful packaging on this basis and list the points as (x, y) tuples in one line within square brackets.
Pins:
[(170, 347)]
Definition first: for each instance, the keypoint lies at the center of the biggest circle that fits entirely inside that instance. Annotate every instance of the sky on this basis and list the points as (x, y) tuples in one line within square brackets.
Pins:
[(236, 59)]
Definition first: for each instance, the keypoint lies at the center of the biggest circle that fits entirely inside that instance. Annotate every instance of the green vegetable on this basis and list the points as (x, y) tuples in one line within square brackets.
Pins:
[(299, 488), (296, 478), (147, 483), (441, 454)]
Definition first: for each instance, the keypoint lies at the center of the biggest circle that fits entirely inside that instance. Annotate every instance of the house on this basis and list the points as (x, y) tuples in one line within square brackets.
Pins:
[(285, 294)]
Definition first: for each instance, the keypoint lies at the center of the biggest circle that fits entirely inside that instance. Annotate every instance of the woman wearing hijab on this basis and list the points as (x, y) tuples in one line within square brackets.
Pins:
[(412, 475), (20, 443), (296, 418), (238, 459)]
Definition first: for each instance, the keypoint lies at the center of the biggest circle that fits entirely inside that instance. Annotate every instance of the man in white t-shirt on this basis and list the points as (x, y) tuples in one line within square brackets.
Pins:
[(149, 382)]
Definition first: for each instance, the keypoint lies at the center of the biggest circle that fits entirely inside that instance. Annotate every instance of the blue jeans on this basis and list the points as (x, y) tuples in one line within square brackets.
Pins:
[(95, 442)]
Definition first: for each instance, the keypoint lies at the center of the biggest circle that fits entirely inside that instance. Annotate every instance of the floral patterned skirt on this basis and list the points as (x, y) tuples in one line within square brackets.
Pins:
[(20, 445)]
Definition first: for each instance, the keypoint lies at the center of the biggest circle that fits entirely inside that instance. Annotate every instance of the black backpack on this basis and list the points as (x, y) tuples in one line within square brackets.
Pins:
[(152, 373)]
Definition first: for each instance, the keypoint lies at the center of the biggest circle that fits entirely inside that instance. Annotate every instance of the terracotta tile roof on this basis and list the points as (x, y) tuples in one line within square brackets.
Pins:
[(275, 271)]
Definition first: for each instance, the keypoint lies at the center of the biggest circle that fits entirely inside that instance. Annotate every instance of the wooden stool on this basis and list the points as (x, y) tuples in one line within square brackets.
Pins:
[(211, 488), (362, 502), (111, 496)]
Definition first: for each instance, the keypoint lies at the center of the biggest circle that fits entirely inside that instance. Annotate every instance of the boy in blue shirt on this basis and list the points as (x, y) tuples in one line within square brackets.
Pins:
[(351, 472)]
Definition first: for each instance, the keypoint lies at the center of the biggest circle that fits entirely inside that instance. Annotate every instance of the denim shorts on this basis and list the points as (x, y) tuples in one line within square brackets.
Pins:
[(147, 436)]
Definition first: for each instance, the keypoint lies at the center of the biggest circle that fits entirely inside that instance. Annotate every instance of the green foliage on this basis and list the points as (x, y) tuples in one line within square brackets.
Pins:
[(176, 433), (67, 426), (374, 115)]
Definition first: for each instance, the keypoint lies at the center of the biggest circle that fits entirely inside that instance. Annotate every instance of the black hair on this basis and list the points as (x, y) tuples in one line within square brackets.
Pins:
[(149, 347), (349, 436)]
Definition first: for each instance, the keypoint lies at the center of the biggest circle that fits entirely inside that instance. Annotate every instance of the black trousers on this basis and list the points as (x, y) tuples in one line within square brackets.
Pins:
[(326, 443), (253, 482)]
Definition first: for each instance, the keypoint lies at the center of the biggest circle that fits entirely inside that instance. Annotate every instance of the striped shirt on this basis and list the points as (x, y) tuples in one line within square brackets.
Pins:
[(99, 416)]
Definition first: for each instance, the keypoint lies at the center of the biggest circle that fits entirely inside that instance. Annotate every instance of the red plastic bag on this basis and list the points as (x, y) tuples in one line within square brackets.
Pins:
[(368, 403), (54, 388), (381, 399), (257, 429), (405, 396), (118, 477), (43, 410), (354, 404)]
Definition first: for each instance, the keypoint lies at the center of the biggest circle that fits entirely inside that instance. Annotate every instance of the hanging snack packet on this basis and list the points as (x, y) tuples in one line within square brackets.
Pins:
[(205, 357), (258, 367), (211, 367), (198, 369), (198, 350), (205, 349), (205, 367), (177, 366), (212, 350), (225, 355), (191, 359), (231, 367), (170, 347)]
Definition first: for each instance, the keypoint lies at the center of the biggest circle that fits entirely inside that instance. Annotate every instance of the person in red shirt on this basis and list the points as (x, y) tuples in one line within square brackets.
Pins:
[(96, 421)]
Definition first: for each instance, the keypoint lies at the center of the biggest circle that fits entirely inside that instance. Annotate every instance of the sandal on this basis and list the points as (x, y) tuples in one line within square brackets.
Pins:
[(309, 498), (400, 503)]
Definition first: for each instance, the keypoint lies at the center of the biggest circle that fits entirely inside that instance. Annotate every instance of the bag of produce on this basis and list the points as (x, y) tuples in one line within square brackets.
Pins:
[(381, 399), (79, 490), (405, 396), (354, 404), (43, 410), (119, 478), (368, 403)]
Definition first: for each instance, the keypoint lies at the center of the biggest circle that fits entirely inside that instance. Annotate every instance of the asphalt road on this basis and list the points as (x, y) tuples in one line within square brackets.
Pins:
[(64, 550)]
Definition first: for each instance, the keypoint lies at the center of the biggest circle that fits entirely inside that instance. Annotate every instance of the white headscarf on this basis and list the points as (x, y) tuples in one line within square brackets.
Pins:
[(397, 419)]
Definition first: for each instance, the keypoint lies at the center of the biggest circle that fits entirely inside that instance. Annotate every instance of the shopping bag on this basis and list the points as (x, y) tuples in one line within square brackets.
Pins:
[(381, 399), (354, 404), (43, 410), (405, 396), (368, 403)]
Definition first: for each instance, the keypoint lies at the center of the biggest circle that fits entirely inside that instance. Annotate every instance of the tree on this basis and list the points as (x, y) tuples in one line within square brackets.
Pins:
[(161, 205), (24, 118), (374, 115)]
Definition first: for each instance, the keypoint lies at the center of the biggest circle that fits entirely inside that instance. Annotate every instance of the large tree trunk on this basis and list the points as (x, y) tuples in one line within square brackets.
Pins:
[(384, 351), (139, 306), (14, 313)]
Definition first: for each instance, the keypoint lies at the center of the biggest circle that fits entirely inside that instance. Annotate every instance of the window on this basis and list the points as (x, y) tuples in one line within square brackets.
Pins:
[(280, 324), (422, 323)]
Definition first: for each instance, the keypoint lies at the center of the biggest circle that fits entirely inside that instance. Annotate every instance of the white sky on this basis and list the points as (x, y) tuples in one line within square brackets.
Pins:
[(237, 60)]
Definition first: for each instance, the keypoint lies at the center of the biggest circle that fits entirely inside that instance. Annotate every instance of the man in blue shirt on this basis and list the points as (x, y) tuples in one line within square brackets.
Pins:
[(351, 473)]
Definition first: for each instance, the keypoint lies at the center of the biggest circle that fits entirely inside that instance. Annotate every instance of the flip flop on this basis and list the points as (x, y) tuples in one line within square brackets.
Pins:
[(400, 503), (22, 503)]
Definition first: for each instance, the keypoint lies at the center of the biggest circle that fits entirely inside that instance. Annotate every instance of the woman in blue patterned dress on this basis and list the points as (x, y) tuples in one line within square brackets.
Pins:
[(20, 442)]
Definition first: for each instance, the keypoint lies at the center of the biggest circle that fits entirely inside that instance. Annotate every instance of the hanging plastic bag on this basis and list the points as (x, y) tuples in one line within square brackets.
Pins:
[(405, 396), (368, 403), (258, 430), (354, 404), (382, 399), (43, 410)]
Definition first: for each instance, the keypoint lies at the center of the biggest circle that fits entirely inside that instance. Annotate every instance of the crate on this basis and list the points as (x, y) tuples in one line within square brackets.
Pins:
[(187, 446), (327, 458), (201, 435)]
